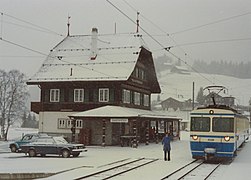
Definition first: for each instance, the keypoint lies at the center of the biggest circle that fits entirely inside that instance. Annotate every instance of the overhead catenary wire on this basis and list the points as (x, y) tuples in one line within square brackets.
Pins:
[(155, 40), (213, 41), (210, 23), (21, 46), (30, 49), (28, 27), (32, 24), (43, 29), (166, 34)]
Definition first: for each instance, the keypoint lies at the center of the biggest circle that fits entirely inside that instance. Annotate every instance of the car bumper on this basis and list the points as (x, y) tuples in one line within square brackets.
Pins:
[(79, 150)]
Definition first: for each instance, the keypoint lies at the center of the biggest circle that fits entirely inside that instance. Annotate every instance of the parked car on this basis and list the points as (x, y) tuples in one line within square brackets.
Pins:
[(52, 145), (27, 138)]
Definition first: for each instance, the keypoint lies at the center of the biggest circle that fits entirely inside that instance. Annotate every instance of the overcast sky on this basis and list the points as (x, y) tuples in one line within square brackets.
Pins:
[(228, 20)]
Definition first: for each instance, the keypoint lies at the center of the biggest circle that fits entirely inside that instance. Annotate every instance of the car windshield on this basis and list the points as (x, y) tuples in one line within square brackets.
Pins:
[(60, 140), (27, 137)]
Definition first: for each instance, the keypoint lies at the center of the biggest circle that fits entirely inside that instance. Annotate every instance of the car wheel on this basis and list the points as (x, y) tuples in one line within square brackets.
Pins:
[(76, 155), (65, 153), (13, 148), (32, 153)]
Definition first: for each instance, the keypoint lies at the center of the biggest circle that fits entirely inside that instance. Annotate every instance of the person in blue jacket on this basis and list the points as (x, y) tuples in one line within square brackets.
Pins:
[(166, 146)]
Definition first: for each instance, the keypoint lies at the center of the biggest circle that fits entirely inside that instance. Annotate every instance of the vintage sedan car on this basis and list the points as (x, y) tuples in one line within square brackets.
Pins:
[(52, 145), (27, 138)]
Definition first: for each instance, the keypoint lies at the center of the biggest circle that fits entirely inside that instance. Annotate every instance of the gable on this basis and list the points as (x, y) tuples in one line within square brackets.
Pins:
[(144, 73)]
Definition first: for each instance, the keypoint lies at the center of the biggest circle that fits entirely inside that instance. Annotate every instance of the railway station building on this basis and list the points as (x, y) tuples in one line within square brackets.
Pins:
[(96, 89)]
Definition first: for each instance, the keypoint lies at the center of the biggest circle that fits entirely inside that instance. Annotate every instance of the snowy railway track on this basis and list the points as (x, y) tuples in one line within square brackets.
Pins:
[(194, 170), (119, 169)]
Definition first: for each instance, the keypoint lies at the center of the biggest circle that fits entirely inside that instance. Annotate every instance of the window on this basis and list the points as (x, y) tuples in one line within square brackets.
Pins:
[(142, 74), (61, 123), (223, 124), (200, 124), (139, 73), (54, 95), (78, 95), (126, 96), (44, 141), (69, 123), (104, 95), (136, 98), (79, 123), (146, 100)]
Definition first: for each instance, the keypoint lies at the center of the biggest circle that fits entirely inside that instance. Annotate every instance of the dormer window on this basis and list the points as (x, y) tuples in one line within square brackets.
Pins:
[(54, 95)]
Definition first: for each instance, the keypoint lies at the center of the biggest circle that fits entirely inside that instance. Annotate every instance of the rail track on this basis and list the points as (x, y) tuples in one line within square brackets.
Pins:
[(193, 170), (119, 169)]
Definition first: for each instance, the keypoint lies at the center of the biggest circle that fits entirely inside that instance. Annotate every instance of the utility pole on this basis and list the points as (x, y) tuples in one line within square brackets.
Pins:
[(193, 97)]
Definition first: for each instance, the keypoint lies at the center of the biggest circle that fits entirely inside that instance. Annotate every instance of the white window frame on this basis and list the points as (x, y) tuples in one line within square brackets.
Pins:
[(69, 123), (79, 123), (142, 74), (79, 95), (126, 96), (62, 123), (104, 95), (54, 95), (146, 100), (136, 98)]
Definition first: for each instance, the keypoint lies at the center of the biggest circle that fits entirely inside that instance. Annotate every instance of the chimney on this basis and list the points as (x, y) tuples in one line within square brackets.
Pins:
[(94, 43)]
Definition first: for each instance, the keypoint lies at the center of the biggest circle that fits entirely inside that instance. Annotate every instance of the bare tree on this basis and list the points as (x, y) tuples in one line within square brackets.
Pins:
[(13, 95)]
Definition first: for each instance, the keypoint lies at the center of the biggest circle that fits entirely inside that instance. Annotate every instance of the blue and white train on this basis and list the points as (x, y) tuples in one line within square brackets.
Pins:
[(217, 132)]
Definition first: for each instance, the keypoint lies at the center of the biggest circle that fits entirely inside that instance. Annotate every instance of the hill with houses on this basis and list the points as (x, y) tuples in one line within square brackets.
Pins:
[(180, 86)]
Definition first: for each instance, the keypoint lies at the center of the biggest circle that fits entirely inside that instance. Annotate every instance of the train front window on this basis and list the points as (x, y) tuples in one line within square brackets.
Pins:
[(223, 124), (200, 124)]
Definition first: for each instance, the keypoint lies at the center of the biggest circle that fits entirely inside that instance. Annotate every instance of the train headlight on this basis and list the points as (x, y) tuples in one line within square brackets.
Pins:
[(226, 138), (195, 137)]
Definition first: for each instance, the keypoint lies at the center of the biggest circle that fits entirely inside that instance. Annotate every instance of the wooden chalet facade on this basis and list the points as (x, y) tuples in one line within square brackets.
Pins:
[(75, 78)]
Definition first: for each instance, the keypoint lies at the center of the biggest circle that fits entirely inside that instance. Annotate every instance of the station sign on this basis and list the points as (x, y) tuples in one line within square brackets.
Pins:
[(119, 120)]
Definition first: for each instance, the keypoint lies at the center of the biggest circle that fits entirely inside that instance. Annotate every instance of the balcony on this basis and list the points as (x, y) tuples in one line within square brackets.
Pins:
[(64, 106)]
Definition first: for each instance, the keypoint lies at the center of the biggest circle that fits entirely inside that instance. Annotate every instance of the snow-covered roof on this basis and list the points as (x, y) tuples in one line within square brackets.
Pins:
[(121, 112), (70, 60)]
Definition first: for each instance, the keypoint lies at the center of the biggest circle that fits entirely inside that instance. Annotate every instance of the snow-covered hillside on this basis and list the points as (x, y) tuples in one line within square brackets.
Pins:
[(180, 85)]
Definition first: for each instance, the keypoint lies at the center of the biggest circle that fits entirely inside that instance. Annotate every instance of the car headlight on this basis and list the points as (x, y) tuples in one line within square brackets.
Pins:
[(226, 138), (195, 137)]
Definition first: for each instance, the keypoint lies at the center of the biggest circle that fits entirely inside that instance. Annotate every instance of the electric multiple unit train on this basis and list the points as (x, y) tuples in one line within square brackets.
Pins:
[(217, 132)]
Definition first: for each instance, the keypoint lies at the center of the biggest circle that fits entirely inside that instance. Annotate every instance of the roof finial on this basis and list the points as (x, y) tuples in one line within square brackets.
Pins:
[(137, 21), (68, 25)]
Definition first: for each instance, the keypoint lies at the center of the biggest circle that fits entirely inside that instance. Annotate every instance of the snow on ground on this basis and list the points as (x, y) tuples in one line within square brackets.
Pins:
[(98, 158), (241, 167)]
